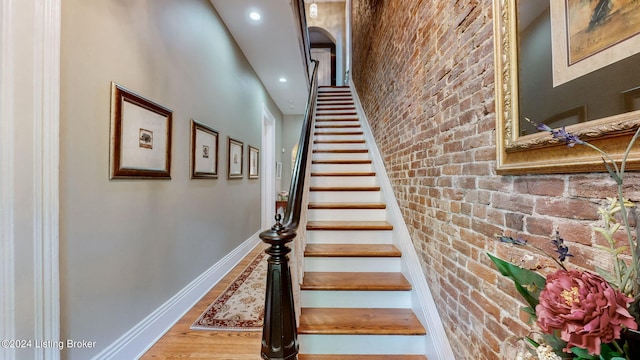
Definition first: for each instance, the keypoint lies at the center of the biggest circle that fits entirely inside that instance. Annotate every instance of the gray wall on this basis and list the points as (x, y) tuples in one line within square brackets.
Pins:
[(127, 246)]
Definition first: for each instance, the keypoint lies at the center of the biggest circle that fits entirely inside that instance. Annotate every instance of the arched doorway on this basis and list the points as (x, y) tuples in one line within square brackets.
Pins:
[(323, 48)]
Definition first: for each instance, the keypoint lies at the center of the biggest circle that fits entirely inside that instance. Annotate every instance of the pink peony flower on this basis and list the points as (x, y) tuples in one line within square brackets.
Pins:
[(584, 308)]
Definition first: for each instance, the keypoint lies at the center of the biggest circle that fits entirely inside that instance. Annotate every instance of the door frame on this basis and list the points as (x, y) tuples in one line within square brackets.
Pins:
[(332, 49), (267, 169)]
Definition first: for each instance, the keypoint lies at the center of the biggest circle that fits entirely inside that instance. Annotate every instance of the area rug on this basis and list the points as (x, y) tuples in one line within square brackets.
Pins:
[(241, 306)]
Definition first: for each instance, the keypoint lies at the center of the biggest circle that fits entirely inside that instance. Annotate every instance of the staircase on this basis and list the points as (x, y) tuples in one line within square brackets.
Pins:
[(355, 302)]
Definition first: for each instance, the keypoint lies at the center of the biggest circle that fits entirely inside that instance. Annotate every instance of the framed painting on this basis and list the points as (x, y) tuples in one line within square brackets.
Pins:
[(589, 35), (254, 162), (589, 106), (278, 170), (204, 151), (140, 137), (235, 150)]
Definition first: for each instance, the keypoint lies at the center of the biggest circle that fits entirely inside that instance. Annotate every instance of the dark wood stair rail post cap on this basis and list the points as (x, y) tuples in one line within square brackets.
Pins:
[(279, 331)]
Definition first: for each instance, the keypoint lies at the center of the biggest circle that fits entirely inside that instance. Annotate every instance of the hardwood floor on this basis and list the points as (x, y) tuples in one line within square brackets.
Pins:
[(180, 342)]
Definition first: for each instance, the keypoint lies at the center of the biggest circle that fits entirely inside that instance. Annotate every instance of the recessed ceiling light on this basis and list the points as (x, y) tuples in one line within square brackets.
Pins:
[(255, 16), (283, 79)]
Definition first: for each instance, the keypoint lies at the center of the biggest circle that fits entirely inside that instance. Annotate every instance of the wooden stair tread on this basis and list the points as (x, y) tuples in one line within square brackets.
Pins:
[(355, 281), (349, 225), (343, 174), (339, 126), (354, 141), (334, 106), (341, 151), (317, 133), (336, 111), (347, 206), (333, 101), (341, 161), (359, 357), (351, 250), (359, 321), (335, 120), (344, 188)]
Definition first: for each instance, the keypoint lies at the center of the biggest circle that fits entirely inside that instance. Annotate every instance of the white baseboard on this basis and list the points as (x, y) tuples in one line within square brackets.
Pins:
[(135, 342)]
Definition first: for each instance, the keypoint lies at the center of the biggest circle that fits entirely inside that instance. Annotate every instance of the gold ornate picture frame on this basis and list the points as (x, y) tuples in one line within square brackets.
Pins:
[(540, 153)]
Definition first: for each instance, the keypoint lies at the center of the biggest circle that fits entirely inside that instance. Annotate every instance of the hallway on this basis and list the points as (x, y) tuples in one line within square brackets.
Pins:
[(181, 342)]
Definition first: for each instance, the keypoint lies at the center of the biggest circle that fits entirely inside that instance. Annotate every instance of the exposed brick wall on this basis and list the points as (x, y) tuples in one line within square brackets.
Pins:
[(424, 72)]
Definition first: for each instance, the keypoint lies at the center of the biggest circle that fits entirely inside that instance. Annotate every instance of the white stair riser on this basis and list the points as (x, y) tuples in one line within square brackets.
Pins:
[(337, 122), (334, 117), (341, 168), (335, 103), (346, 215), (332, 110), (352, 264), (334, 181), (355, 299), (333, 97), (338, 137), (340, 156), (362, 344), (349, 237), (337, 132), (345, 196), (328, 109), (339, 146)]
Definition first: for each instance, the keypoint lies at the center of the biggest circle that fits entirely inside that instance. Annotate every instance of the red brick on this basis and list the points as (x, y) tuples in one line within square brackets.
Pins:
[(539, 186)]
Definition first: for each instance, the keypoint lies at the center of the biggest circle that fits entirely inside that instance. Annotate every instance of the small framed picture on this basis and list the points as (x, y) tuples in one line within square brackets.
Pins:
[(140, 137), (278, 170), (254, 163), (234, 162), (204, 151)]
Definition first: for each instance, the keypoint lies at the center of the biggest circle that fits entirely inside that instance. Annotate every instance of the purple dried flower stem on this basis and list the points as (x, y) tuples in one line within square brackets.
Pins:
[(632, 271)]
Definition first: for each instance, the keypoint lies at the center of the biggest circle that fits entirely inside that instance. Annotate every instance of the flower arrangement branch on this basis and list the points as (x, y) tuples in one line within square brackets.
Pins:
[(583, 315)]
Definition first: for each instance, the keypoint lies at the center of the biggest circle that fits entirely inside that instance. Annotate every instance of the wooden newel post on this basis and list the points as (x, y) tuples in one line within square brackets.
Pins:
[(279, 332)]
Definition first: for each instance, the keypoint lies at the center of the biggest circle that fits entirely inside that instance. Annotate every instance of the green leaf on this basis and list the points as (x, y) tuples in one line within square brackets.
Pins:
[(609, 353), (606, 275), (528, 283), (583, 353), (532, 342)]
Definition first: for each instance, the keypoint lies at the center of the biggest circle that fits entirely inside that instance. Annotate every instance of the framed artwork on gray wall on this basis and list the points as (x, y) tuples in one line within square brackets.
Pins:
[(204, 151), (140, 137), (254, 163), (235, 150)]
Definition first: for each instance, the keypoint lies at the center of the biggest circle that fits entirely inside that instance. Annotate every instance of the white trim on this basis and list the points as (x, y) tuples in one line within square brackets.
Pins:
[(437, 343), (47, 145), (267, 168), (7, 119), (135, 342), (30, 46)]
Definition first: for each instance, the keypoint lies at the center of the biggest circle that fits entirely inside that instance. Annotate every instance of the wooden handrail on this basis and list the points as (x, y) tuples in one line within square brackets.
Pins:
[(305, 43), (279, 332)]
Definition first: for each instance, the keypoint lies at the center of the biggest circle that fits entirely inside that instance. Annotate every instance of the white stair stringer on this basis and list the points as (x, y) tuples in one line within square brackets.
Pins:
[(437, 343)]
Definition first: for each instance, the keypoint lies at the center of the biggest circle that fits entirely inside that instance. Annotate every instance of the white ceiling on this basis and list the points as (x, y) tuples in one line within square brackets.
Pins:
[(271, 45)]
